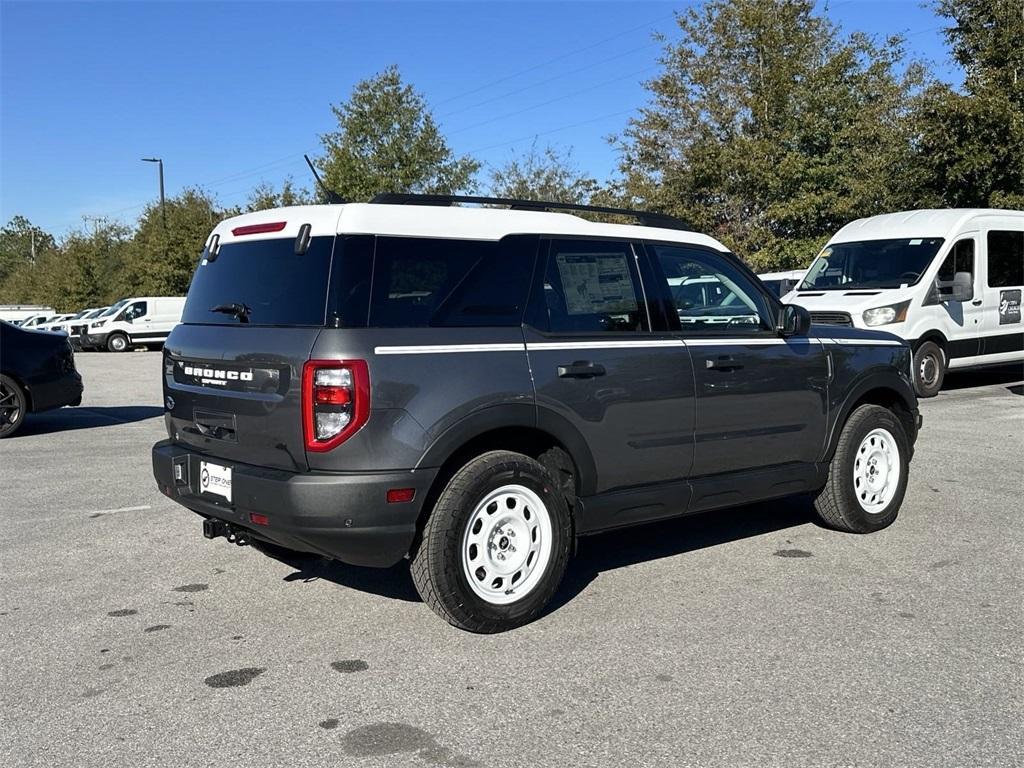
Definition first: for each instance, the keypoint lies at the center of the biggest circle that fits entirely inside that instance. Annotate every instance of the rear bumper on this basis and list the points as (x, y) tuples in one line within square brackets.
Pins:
[(342, 516), (56, 393)]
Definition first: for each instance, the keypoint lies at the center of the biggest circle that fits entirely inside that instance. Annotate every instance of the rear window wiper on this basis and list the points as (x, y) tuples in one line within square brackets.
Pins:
[(241, 311)]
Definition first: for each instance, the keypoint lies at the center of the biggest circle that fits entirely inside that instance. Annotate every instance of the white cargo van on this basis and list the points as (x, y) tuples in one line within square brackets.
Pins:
[(137, 321), (948, 281), (19, 313)]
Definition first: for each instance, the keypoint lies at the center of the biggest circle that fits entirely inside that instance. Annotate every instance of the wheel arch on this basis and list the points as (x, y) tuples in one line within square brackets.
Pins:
[(24, 388), (887, 390), (932, 335)]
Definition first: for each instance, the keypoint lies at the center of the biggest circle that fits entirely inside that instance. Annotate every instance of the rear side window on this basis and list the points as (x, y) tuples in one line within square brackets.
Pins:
[(432, 282), (1005, 259), (591, 287), (277, 286)]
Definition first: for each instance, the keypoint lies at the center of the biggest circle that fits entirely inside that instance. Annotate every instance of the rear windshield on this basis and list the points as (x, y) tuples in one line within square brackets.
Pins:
[(266, 277)]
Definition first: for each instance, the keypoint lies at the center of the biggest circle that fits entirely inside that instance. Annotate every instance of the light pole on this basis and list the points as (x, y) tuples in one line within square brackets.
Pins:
[(160, 163)]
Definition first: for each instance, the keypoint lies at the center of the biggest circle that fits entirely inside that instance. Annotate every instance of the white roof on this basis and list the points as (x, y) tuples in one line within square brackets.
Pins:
[(442, 221), (941, 222)]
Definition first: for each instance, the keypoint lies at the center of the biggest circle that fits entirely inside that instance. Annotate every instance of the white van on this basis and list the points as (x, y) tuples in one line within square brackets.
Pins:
[(138, 321), (781, 283), (947, 281), (19, 313)]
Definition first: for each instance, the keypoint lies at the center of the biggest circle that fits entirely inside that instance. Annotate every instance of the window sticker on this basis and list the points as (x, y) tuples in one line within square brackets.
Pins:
[(596, 283), (915, 242), (1009, 307)]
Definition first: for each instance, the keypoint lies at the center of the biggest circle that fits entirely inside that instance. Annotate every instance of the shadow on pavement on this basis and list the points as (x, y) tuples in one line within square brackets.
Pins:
[(84, 417), (596, 554), (985, 377)]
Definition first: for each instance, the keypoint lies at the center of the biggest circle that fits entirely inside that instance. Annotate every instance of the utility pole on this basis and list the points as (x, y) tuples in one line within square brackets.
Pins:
[(163, 209)]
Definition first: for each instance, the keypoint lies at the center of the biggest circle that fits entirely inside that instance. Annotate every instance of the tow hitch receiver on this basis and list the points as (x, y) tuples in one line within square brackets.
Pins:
[(213, 529)]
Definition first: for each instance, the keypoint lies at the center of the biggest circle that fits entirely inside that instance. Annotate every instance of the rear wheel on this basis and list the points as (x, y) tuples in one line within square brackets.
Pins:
[(13, 405), (496, 544), (929, 369), (117, 342), (867, 478)]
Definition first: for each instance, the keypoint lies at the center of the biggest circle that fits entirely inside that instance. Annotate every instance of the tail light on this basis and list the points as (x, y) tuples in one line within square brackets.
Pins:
[(335, 401)]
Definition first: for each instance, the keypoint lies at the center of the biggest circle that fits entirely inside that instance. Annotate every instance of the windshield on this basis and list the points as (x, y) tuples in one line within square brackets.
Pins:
[(871, 264), (114, 308)]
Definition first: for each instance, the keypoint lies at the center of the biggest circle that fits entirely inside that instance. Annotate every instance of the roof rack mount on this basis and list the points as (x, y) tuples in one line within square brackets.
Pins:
[(645, 218)]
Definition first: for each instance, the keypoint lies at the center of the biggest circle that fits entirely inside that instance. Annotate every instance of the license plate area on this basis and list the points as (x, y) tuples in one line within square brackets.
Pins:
[(215, 480)]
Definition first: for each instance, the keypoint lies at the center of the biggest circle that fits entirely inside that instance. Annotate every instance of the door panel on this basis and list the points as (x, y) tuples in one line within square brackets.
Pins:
[(628, 391), (1002, 286)]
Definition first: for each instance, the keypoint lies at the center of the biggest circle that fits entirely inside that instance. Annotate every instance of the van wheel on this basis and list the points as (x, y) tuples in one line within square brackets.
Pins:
[(13, 404), (929, 369), (117, 342), (867, 478), (496, 544)]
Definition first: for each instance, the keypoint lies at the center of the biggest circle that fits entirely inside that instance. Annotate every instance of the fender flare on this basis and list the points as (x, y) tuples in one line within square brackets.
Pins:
[(524, 415), (880, 379)]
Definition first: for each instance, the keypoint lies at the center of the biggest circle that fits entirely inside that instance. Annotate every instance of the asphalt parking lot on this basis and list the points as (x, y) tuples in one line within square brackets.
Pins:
[(740, 638)]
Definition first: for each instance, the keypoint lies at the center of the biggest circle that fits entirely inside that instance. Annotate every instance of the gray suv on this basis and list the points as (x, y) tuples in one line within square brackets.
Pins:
[(474, 388)]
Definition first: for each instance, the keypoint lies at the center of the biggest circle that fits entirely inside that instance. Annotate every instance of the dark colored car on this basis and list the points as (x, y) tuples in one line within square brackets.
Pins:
[(473, 389), (37, 373)]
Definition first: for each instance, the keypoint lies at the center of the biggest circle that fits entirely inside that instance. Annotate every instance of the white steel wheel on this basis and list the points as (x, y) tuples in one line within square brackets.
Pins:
[(507, 544), (876, 471)]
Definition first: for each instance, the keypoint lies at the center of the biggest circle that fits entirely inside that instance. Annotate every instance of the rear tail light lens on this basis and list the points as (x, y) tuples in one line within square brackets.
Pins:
[(335, 401)]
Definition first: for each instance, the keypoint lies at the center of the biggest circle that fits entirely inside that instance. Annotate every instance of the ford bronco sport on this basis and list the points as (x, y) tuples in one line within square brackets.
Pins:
[(473, 388)]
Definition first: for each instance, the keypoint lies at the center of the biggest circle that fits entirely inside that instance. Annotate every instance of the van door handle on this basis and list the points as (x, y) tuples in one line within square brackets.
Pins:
[(722, 363), (580, 369), (976, 302)]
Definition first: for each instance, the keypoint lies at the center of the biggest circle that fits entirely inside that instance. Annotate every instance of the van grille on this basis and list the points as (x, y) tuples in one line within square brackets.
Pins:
[(831, 318)]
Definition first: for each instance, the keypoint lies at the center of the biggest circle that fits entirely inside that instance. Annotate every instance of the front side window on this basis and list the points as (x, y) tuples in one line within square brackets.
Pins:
[(138, 309), (707, 293), (871, 264), (592, 287), (1005, 259)]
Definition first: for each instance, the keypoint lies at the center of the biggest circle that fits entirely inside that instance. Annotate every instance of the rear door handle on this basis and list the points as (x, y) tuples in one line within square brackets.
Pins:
[(580, 369), (722, 363), (976, 302)]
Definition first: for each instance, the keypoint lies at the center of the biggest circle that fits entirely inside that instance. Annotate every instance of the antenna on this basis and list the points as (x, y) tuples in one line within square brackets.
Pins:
[(332, 197)]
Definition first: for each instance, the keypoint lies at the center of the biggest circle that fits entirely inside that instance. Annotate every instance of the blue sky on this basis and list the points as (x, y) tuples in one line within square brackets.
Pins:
[(231, 94)]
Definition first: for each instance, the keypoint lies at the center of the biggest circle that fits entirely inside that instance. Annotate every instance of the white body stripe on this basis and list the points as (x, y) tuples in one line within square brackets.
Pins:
[(542, 346)]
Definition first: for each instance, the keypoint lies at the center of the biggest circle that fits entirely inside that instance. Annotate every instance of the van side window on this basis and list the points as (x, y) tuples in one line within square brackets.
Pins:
[(592, 287), (421, 282), (709, 294), (1005, 259), (959, 259)]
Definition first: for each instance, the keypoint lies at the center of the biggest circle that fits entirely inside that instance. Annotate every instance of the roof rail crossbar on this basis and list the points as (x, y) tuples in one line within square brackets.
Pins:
[(646, 218)]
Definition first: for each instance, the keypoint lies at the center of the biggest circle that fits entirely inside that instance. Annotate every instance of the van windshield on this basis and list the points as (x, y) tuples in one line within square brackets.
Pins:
[(871, 264), (261, 282)]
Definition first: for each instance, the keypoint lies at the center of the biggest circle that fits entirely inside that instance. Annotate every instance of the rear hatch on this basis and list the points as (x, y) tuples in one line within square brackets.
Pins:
[(233, 368)]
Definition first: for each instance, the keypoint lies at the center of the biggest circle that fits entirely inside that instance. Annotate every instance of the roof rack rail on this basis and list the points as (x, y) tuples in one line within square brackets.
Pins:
[(645, 218)]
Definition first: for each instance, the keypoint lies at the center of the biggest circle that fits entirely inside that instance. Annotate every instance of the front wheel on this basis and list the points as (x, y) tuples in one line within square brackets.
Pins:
[(496, 544), (929, 369), (867, 478), (117, 342), (13, 404)]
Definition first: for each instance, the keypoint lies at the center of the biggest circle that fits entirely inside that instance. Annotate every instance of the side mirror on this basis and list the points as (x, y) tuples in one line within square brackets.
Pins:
[(794, 320), (963, 286)]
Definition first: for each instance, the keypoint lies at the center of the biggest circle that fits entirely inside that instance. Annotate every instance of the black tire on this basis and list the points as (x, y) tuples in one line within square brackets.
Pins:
[(839, 502), (118, 342), (929, 369), (437, 568), (13, 405)]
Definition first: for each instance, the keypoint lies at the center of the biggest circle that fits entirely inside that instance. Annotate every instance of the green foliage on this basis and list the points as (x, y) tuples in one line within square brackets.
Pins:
[(971, 145), (19, 240), (542, 175), (387, 141), (164, 255), (264, 196), (769, 131)]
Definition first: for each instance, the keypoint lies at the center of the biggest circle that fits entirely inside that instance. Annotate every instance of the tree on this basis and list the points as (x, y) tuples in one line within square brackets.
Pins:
[(971, 143), (163, 257), (264, 196), (544, 175), (768, 130), (387, 141), (21, 242)]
